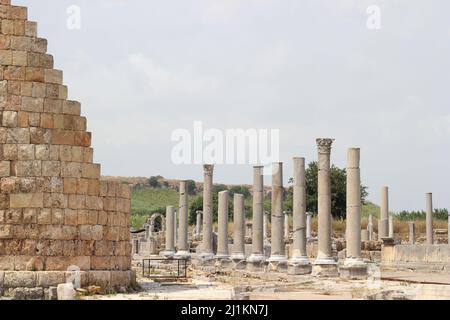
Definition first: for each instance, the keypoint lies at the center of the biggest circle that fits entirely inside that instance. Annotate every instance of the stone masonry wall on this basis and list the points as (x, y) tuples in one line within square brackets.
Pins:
[(55, 212)]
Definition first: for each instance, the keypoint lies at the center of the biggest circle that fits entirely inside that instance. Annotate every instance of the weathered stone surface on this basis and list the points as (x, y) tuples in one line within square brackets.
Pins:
[(66, 291)]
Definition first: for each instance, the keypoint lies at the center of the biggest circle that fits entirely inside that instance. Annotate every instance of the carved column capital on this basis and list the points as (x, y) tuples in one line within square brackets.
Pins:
[(324, 145), (208, 169)]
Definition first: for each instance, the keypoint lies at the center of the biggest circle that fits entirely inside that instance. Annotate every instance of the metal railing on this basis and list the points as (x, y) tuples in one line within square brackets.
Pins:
[(150, 271)]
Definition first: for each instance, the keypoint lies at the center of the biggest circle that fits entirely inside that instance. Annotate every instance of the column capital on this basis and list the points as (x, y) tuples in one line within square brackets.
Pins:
[(208, 169), (324, 145)]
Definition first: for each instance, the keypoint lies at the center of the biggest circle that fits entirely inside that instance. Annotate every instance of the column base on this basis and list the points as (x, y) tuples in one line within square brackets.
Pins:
[(167, 253), (325, 267), (223, 261), (277, 263), (239, 262), (182, 254), (256, 263), (203, 259), (299, 266), (353, 269)]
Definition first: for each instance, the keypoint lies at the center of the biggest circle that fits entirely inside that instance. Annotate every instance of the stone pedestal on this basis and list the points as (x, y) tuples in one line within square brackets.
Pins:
[(277, 260), (353, 270), (325, 265), (198, 224), (287, 230), (429, 217)]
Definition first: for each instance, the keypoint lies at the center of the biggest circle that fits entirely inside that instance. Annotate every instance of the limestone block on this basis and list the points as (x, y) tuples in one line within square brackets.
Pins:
[(65, 137), (18, 135), (70, 217), (57, 216), (71, 170), (91, 171), (66, 291), (6, 57), (25, 152), (51, 168), (46, 120), (29, 216), (27, 168), (44, 216), (19, 279), (34, 119), (39, 45), (40, 136), (19, 27), (27, 200), (30, 29), (14, 73), (5, 169), (7, 27), (52, 105), (6, 232), (50, 278), (53, 76), (34, 74), (9, 119), (100, 262), (19, 58)]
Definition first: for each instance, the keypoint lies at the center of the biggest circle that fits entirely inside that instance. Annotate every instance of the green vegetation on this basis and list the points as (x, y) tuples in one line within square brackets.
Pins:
[(438, 214)]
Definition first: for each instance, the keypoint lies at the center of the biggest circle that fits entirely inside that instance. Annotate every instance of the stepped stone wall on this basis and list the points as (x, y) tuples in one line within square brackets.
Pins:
[(55, 212)]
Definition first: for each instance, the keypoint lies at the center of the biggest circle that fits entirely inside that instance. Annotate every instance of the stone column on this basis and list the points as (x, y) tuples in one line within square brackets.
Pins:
[(198, 224), (383, 231), (429, 217), (354, 267), (170, 243), (207, 244), (222, 238), (412, 232), (286, 226), (238, 254), (175, 227), (183, 244), (309, 226), (299, 262), (257, 258), (325, 264), (391, 227), (370, 228), (277, 260)]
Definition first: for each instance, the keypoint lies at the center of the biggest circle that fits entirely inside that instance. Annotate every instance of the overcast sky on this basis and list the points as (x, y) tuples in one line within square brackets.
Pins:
[(311, 68)]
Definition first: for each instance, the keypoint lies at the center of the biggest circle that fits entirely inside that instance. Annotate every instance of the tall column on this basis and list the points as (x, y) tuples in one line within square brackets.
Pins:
[(170, 243), (412, 232), (183, 245), (222, 239), (175, 227), (198, 224), (391, 226), (383, 231), (308, 226), (354, 267), (257, 257), (286, 226), (277, 260), (207, 244), (299, 262), (370, 228), (239, 228), (325, 264), (429, 217)]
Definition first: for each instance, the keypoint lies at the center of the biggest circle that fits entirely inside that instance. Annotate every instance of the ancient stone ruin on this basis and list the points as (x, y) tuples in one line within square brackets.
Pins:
[(59, 221)]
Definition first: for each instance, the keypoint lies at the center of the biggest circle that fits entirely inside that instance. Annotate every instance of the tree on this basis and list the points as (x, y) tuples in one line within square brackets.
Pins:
[(240, 190), (154, 182), (191, 187), (338, 179)]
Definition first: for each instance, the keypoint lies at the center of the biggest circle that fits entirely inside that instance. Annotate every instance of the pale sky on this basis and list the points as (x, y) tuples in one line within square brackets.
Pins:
[(311, 68)]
